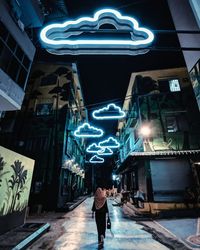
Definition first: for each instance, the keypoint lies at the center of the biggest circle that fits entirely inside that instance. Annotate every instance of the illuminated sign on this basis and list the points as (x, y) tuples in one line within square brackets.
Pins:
[(67, 37), (109, 143), (93, 148), (111, 111), (86, 130), (105, 151), (96, 159)]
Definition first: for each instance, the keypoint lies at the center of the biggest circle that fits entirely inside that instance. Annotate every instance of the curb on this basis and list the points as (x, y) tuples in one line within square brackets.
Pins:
[(24, 243), (70, 208), (171, 243)]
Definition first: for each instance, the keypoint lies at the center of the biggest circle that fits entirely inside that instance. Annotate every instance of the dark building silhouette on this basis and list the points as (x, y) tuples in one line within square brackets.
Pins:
[(43, 130)]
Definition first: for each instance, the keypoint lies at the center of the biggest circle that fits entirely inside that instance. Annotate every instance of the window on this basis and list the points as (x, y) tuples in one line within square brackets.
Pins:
[(13, 60), (22, 77), (13, 68), (26, 62), (171, 124), (44, 109), (3, 32), (5, 59), (174, 85), (19, 53), (169, 85), (11, 43)]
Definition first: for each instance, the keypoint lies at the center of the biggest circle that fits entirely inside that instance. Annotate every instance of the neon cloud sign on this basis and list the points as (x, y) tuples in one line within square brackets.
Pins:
[(96, 159), (65, 38), (111, 111), (93, 148), (109, 143), (86, 130), (105, 151)]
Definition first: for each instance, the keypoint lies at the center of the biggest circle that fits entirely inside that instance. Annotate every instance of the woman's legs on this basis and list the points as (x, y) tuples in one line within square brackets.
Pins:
[(101, 225)]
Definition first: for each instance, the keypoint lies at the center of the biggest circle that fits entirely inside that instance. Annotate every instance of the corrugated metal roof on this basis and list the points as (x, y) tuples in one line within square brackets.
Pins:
[(165, 153)]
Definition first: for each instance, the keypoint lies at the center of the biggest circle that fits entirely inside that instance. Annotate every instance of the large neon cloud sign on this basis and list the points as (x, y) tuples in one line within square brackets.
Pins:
[(111, 111), (109, 143), (96, 159), (86, 130), (59, 37)]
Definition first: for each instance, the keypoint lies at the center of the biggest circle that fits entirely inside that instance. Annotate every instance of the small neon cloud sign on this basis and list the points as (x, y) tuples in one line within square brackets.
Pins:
[(93, 148), (86, 130), (105, 151), (96, 159), (109, 143), (111, 111), (65, 38)]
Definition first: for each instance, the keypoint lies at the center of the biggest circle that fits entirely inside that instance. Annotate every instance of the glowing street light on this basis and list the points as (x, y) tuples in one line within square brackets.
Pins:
[(145, 131), (114, 176)]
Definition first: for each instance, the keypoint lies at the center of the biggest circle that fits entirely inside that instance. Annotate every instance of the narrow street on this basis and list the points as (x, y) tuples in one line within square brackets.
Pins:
[(100, 99), (80, 232)]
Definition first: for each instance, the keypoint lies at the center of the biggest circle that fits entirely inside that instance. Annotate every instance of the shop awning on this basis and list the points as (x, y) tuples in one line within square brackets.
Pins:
[(133, 157)]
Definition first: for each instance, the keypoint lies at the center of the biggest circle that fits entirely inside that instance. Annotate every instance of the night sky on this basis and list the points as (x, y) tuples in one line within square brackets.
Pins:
[(106, 78)]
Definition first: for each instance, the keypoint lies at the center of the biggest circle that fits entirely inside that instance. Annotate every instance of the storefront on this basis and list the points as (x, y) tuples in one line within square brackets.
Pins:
[(162, 175)]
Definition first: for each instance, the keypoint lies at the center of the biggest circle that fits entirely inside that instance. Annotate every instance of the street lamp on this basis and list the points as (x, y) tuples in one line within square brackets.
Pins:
[(114, 177), (145, 131)]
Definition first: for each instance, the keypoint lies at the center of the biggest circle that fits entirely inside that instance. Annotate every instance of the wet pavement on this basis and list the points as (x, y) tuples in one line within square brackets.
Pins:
[(77, 231), (187, 230)]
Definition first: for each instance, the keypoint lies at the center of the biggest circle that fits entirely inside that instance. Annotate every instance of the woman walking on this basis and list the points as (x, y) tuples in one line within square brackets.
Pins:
[(100, 208)]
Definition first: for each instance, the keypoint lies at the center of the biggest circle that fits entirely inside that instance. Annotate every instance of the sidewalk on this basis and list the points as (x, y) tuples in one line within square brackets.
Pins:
[(183, 233), (36, 225)]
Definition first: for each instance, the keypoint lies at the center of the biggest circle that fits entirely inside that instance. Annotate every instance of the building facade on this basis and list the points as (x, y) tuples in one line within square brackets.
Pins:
[(43, 130), (160, 135), (16, 50)]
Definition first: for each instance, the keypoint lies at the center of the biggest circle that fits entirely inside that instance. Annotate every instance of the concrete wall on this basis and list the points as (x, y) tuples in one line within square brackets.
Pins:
[(11, 95), (184, 19)]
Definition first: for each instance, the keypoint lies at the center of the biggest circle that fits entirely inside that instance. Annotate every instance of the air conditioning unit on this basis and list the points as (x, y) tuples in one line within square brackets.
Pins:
[(21, 25)]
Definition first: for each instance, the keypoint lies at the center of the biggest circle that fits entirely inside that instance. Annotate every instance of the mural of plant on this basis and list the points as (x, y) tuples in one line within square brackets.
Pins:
[(17, 182), (2, 164), (7, 198)]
